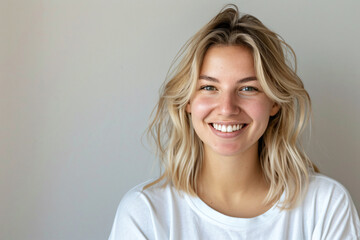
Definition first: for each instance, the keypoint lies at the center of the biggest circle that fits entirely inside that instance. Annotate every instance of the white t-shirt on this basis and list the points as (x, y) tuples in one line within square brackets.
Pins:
[(327, 212)]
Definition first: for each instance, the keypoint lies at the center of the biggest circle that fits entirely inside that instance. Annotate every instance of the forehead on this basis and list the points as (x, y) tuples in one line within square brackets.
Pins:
[(228, 62)]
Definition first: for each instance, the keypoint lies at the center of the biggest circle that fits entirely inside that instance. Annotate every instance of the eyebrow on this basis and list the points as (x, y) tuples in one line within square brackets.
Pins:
[(243, 80)]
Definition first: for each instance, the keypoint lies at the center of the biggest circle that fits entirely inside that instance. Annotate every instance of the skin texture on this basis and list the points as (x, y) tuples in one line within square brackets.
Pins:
[(228, 92)]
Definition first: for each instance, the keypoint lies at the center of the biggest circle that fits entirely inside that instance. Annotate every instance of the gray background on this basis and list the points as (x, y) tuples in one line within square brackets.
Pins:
[(78, 81)]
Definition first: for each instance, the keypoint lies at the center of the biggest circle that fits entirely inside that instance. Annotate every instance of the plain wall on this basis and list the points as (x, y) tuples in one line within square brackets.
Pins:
[(78, 81)]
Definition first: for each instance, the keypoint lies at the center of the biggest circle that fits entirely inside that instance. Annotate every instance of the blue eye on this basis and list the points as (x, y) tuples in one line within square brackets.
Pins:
[(208, 88), (249, 89)]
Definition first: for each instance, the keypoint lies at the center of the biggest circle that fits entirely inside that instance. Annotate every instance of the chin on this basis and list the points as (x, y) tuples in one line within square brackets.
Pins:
[(233, 149), (228, 152)]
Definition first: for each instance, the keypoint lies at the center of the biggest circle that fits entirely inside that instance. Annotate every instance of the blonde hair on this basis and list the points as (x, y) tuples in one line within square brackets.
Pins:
[(285, 165)]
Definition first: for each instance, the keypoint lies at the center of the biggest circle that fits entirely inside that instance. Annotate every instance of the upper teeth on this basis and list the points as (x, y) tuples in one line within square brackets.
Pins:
[(227, 128)]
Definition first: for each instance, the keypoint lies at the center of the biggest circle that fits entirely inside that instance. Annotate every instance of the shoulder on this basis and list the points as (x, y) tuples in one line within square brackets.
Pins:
[(142, 200), (134, 198), (150, 196), (329, 205), (326, 193), (320, 184), (136, 194), (139, 210)]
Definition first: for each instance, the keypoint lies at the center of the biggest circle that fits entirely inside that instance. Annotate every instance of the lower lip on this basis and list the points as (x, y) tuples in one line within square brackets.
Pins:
[(227, 134)]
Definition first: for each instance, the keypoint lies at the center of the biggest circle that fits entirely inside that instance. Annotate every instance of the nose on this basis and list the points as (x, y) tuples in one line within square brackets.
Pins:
[(228, 105)]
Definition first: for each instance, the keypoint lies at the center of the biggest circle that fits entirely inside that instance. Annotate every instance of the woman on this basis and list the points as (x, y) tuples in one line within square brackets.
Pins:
[(227, 128)]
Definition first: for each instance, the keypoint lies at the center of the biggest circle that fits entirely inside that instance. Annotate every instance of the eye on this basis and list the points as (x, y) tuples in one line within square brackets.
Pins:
[(249, 90), (208, 88)]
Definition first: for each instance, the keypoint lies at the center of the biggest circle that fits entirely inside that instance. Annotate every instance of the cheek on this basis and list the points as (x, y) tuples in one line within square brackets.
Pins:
[(260, 110), (201, 106)]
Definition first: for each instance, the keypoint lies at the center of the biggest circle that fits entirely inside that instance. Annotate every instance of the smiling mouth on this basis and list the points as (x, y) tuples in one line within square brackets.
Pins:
[(227, 128)]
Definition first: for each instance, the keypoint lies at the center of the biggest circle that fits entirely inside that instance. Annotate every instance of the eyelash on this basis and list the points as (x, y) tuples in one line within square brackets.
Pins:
[(212, 88), (206, 87), (253, 88)]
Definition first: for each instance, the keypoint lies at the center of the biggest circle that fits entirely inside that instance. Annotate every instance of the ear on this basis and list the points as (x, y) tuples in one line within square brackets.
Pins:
[(274, 110), (188, 107)]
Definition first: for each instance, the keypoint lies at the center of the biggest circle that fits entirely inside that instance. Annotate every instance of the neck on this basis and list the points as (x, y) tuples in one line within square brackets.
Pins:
[(229, 177)]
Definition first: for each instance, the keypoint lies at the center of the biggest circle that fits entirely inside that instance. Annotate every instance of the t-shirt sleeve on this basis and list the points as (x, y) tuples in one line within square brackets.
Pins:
[(132, 220), (340, 219)]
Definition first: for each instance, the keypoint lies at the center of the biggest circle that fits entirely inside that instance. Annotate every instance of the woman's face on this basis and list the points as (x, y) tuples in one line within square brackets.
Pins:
[(229, 110)]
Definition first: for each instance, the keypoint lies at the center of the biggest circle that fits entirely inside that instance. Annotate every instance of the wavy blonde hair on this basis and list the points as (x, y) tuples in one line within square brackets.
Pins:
[(284, 163)]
